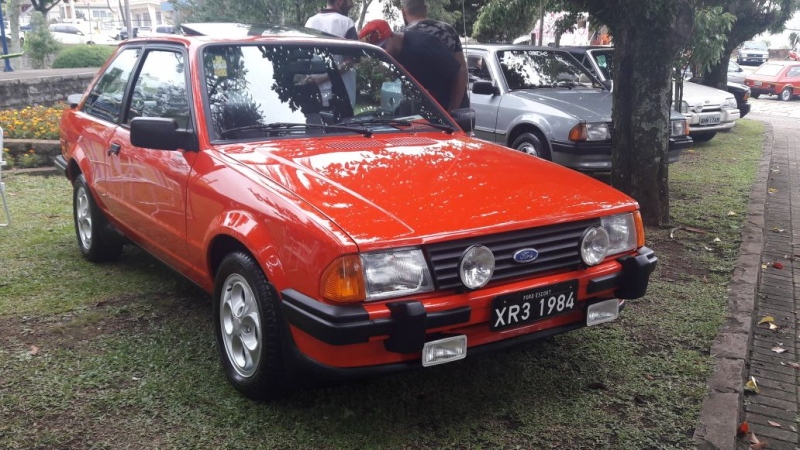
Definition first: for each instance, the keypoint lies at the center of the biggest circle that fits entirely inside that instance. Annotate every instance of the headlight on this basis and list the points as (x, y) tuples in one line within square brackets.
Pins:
[(376, 276), (679, 128), (731, 102), (616, 234), (476, 266), (589, 132)]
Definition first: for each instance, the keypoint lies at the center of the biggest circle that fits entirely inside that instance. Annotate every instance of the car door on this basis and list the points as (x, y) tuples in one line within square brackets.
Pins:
[(486, 106), (102, 111), (150, 185), (793, 78)]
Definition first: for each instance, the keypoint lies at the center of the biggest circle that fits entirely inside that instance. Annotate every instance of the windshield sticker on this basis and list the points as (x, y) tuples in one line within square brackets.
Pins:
[(220, 66)]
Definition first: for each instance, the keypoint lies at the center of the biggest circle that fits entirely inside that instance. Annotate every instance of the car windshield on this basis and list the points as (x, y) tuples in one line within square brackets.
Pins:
[(254, 87), (531, 69), (752, 45), (768, 69)]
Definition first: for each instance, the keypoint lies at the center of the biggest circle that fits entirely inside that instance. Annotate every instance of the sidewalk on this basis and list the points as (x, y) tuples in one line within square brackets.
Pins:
[(763, 285)]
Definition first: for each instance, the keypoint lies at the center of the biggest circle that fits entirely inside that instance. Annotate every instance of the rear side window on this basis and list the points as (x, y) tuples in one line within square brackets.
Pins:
[(105, 98)]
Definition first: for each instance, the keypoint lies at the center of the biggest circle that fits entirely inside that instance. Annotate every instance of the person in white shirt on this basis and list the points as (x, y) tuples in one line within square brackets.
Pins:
[(334, 20)]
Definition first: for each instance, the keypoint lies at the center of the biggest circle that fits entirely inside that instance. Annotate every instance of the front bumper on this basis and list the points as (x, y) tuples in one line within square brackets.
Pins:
[(727, 120), (331, 329)]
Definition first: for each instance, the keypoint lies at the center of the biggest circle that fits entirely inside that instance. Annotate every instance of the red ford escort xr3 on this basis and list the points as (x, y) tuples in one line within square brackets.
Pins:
[(343, 222)]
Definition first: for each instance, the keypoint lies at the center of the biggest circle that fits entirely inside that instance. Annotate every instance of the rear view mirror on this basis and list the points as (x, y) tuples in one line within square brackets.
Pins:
[(161, 133), (484, 88)]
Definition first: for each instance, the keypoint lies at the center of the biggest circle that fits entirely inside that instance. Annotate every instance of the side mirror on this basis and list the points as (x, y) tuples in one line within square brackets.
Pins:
[(73, 100), (465, 118), (161, 133), (484, 88)]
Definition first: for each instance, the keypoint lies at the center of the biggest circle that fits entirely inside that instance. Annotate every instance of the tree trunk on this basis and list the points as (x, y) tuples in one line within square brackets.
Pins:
[(640, 115)]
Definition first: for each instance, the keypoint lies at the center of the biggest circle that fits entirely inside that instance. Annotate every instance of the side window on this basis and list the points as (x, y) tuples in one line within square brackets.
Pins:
[(794, 72), (477, 68), (105, 98), (160, 90)]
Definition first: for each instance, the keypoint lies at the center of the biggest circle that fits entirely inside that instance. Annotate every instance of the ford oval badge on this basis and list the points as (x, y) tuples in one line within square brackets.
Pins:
[(525, 255)]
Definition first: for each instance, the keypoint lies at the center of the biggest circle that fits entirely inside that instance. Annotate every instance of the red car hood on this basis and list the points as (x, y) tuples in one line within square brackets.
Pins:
[(418, 187)]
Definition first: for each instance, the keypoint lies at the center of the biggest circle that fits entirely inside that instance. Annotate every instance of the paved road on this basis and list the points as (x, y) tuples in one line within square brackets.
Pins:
[(761, 288)]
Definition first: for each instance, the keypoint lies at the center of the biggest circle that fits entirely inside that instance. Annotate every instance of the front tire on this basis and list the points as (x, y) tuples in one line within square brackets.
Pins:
[(247, 328), (786, 94), (529, 143), (704, 137), (91, 226)]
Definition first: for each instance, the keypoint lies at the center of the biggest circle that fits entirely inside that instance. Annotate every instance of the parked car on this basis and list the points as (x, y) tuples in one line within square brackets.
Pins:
[(122, 33), (735, 86), (541, 101), (753, 51), (794, 54), (165, 29), (735, 73), (707, 109), (781, 78), (336, 240), (70, 34)]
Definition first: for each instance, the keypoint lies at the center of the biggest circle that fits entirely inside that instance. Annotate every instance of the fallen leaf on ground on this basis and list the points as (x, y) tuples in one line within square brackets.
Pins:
[(763, 266), (791, 427), (777, 230), (716, 239), (34, 350), (766, 319), (751, 386), (778, 349), (772, 190), (732, 213), (649, 377), (777, 265), (756, 444), (743, 429), (774, 424), (793, 365), (773, 327)]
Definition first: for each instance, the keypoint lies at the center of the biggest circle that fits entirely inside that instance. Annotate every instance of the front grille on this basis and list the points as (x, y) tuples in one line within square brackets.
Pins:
[(558, 247)]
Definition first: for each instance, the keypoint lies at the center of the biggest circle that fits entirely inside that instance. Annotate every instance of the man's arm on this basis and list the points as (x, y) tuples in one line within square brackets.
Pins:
[(459, 87)]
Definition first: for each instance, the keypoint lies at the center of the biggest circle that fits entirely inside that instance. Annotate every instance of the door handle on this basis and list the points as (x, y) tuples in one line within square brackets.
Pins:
[(113, 150)]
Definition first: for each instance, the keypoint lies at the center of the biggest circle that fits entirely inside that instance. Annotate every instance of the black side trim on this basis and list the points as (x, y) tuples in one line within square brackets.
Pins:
[(603, 283), (350, 324), (61, 165)]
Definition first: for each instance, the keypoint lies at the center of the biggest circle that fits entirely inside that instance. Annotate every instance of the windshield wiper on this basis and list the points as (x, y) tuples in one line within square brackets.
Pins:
[(396, 123), (276, 126)]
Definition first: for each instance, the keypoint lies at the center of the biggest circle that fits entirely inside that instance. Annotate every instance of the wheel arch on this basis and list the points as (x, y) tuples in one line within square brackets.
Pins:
[(528, 128)]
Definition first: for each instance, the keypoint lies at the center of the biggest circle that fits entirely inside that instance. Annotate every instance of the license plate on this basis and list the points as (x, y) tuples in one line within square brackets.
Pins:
[(524, 307), (756, 83), (709, 120)]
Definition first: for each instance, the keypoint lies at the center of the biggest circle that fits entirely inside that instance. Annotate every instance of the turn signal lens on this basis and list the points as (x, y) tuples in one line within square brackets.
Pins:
[(343, 280), (578, 133)]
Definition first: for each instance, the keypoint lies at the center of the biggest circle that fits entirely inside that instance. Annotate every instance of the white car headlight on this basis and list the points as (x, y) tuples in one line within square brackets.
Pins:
[(679, 128), (476, 266), (395, 273), (616, 234), (731, 102), (597, 131)]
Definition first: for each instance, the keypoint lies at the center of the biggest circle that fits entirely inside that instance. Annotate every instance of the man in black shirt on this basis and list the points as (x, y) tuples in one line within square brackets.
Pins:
[(427, 59)]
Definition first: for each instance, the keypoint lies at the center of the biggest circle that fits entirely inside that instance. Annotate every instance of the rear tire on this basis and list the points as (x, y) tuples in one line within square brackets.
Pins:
[(529, 143), (704, 137), (91, 227), (786, 94), (247, 328), (755, 95)]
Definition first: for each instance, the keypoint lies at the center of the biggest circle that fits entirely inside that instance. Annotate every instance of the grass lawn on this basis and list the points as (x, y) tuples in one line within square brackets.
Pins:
[(122, 355)]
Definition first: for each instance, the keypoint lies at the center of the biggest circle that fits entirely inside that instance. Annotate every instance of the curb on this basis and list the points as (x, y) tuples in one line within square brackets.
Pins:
[(721, 411)]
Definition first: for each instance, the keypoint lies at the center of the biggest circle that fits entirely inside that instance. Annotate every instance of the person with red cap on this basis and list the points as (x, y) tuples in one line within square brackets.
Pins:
[(425, 57)]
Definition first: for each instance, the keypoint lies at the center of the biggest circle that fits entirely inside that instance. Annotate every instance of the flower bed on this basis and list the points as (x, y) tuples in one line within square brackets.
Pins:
[(30, 135)]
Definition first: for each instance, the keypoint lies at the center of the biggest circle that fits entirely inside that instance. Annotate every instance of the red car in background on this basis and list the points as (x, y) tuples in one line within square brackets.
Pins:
[(794, 54), (781, 78)]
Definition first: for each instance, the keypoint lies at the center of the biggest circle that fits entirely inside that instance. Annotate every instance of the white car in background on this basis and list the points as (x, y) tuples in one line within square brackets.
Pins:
[(70, 34), (708, 110)]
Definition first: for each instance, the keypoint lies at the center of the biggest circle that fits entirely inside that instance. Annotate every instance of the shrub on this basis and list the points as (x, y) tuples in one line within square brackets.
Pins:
[(82, 56), (32, 122), (40, 44), (9, 160)]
